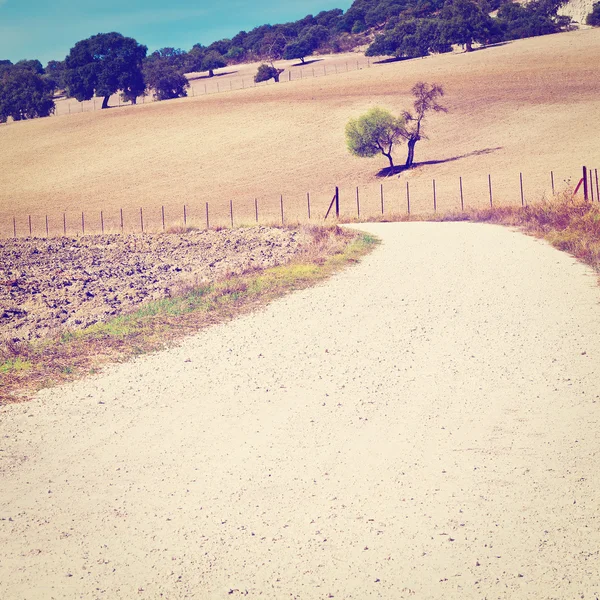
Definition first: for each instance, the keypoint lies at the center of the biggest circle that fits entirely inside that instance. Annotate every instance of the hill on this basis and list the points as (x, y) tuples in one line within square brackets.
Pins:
[(525, 106)]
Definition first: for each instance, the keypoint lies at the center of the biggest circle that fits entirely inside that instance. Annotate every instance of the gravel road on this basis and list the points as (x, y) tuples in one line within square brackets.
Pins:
[(423, 425)]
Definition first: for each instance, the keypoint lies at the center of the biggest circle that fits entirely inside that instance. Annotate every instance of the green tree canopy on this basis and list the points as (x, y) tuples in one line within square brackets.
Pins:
[(266, 72), (466, 22), (24, 95), (162, 75), (103, 64), (212, 60), (594, 17), (374, 133)]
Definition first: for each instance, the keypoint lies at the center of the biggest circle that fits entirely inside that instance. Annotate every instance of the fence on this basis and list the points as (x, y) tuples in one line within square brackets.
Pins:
[(390, 198), (220, 83)]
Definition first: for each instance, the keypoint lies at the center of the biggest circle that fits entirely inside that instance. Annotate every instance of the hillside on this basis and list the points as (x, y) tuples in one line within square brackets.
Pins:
[(525, 106)]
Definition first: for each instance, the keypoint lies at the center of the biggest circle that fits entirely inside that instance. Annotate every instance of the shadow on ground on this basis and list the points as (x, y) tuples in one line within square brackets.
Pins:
[(306, 62), (396, 170)]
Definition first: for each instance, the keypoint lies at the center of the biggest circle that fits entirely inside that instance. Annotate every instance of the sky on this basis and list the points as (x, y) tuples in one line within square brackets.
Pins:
[(48, 29)]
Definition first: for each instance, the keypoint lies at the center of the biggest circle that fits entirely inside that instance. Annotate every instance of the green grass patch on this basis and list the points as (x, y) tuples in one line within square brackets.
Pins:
[(26, 367)]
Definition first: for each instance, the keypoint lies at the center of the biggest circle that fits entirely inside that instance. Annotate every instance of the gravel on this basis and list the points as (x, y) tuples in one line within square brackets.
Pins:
[(422, 425)]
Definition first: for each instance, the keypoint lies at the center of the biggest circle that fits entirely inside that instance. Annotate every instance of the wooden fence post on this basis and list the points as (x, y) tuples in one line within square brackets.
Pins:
[(184, 215), (308, 203), (281, 203), (102, 222), (407, 199), (30, 226), (142, 219), (490, 185), (64, 223), (207, 221), (357, 203), (585, 187), (82, 224), (591, 185), (381, 194), (231, 211), (462, 201), (521, 182), (434, 198), (162, 210), (337, 202), (552, 181), (14, 227), (597, 190), (47, 230), (256, 208), (122, 228)]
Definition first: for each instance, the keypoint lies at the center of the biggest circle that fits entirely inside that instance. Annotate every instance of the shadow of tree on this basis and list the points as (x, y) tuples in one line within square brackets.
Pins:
[(396, 170), (306, 62), (209, 77)]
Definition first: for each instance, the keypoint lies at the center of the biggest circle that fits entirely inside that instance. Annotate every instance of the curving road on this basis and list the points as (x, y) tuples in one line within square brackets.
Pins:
[(423, 425)]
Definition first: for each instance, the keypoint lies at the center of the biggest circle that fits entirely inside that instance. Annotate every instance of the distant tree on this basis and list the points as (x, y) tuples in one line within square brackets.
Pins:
[(5, 65), (194, 58), (538, 17), (213, 60), (163, 76), (35, 66), (298, 49), (465, 22), (594, 17), (427, 98), (236, 54), (55, 74), (176, 57), (103, 64), (373, 133), (266, 72), (24, 95)]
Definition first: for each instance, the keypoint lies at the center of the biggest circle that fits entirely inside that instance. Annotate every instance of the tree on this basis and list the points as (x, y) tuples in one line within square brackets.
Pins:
[(426, 99), (103, 64), (163, 76), (24, 95), (374, 132), (594, 17), (55, 74), (266, 72), (212, 60), (298, 49), (465, 22)]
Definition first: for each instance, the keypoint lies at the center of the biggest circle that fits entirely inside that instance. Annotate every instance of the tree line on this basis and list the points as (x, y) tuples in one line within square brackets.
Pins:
[(108, 63)]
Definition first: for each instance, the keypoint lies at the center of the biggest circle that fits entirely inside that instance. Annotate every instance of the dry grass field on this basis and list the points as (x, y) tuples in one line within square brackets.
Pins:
[(529, 106)]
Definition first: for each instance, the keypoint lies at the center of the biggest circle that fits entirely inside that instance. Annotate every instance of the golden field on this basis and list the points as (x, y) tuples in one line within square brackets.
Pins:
[(530, 106)]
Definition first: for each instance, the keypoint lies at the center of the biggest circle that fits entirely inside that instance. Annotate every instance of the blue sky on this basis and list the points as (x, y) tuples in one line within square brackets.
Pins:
[(48, 29)]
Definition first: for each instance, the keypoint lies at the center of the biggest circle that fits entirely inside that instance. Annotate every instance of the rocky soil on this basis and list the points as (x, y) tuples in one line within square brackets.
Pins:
[(49, 284)]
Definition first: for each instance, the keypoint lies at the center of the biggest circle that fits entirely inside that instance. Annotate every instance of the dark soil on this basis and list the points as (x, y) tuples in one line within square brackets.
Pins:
[(50, 284)]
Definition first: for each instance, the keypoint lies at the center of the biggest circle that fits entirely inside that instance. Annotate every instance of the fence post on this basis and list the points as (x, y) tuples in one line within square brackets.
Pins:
[(552, 180), (407, 199), (337, 202), (256, 208), (142, 219), (357, 203), (121, 210), (591, 185), (308, 203), (184, 215), (490, 185), (207, 222), (231, 211), (102, 222), (30, 226), (162, 209), (47, 231), (381, 193), (521, 182), (462, 202), (434, 198), (585, 187), (281, 203), (14, 227), (82, 224), (597, 190), (65, 223)]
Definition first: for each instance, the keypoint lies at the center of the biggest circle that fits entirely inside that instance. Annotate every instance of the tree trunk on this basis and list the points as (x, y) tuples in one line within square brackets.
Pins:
[(389, 157), (469, 46), (302, 60), (105, 102), (411, 153), (134, 101), (211, 73), (276, 77)]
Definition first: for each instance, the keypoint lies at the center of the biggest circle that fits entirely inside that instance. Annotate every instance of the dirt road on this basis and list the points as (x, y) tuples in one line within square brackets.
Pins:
[(423, 425)]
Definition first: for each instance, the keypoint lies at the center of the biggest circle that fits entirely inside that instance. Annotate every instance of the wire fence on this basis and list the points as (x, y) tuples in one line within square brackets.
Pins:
[(227, 81), (391, 198)]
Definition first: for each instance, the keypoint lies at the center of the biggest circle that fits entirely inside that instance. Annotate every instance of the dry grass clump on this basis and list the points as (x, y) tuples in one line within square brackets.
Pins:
[(29, 366)]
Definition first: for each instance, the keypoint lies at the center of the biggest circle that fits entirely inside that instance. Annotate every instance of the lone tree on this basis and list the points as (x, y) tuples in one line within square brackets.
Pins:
[(164, 77), (212, 60), (426, 99), (593, 18), (374, 132), (103, 64), (24, 94), (266, 72)]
